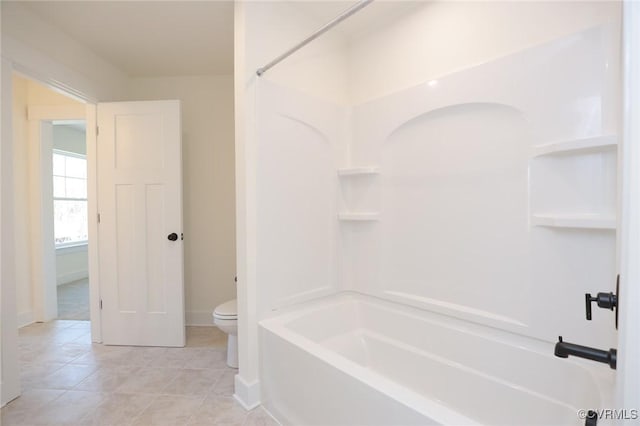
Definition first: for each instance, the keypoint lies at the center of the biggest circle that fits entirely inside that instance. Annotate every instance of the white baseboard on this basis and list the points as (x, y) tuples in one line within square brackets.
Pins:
[(199, 317), (25, 318), (247, 394), (71, 277)]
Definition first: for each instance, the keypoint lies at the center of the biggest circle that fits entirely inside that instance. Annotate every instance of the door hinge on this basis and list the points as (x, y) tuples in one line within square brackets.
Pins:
[(98, 217), (100, 303)]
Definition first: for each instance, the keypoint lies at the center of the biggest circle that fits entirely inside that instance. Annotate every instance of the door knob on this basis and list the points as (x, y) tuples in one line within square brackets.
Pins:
[(172, 236)]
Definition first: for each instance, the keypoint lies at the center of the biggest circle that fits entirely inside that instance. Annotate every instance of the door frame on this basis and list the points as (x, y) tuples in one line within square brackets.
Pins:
[(42, 214), (9, 365), (36, 114), (628, 377)]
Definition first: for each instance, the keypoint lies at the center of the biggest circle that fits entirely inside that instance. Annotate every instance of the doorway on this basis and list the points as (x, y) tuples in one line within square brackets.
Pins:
[(50, 204), (70, 218)]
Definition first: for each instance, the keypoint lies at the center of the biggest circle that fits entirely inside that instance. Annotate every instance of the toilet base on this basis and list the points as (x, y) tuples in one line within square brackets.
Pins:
[(232, 350)]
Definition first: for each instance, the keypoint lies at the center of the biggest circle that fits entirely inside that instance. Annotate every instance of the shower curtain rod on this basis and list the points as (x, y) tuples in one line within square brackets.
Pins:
[(335, 21)]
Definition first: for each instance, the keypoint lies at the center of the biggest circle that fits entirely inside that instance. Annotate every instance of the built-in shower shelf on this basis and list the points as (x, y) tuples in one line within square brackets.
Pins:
[(358, 171), (574, 221), (577, 146), (362, 216)]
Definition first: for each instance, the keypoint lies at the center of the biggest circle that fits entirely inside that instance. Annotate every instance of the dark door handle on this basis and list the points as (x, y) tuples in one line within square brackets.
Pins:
[(172, 236)]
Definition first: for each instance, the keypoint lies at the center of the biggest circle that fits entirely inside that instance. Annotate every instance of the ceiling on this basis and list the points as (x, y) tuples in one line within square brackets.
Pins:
[(149, 38), (181, 37), (369, 19)]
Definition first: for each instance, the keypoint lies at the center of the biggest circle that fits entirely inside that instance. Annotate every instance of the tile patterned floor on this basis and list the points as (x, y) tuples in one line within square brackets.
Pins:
[(67, 380), (73, 300)]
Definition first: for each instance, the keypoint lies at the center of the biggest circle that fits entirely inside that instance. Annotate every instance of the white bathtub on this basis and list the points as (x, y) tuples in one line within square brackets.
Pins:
[(353, 360)]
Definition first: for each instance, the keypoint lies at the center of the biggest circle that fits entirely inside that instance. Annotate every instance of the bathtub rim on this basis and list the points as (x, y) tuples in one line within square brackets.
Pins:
[(406, 397), (277, 324)]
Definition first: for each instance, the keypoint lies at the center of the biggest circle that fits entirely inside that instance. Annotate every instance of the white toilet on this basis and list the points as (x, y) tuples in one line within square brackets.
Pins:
[(225, 317)]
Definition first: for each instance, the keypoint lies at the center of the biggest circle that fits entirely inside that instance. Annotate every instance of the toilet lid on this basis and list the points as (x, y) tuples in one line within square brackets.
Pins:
[(227, 309)]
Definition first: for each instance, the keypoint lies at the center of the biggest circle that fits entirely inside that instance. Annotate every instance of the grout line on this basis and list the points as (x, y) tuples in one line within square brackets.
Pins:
[(204, 398), (133, 419)]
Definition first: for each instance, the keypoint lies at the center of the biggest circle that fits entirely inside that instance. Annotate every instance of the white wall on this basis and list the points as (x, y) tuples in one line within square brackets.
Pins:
[(10, 380), (442, 42), (21, 201), (319, 69), (246, 382), (442, 37), (208, 185), (35, 48), (301, 143), (459, 186), (40, 94), (423, 44), (69, 139), (72, 264), (48, 53), (264, 30), (29, 45)]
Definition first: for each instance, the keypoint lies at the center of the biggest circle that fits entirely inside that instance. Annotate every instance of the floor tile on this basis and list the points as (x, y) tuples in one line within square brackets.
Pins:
[(219, 411), (13, 418), (205, 337), (108, 379), (214, 358), (169, 358), (73, 300), (118, 410), (101, 355), (169, 410), (62, 323), (37, 329), (226, 384), (34, 398), (66, 377), (68, 409), (148, 380), (259, 417), (33, 374), (144, 356), (193, 382), (20, 410), (58, 353), (67, 380)]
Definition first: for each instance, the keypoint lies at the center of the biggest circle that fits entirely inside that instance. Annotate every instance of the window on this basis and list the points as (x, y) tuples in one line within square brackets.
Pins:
[(69, 198)]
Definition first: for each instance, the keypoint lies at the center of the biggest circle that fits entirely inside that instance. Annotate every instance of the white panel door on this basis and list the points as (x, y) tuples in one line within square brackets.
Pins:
[(140, 229)]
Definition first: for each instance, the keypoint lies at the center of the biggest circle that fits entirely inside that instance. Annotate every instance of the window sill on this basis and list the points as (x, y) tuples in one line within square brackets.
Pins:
[(72, 248)]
